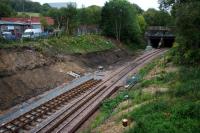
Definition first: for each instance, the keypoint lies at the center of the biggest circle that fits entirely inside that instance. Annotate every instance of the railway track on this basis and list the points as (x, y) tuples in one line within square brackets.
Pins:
[(65, 113), (72, 122), (25, 122)]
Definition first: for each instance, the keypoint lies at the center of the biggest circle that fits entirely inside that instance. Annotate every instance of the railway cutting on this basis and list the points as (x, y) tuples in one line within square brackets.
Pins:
[(69, 108)]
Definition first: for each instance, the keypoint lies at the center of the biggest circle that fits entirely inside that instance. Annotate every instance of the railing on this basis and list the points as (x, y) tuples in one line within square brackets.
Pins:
[(159, 34), (160, 28), (159, 31)]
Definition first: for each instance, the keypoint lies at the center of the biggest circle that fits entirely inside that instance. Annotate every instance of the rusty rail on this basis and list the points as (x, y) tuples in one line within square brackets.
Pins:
[(117, 76), (48, 116)]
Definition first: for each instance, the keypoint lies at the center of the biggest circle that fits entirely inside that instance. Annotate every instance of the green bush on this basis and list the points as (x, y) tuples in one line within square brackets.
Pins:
[(187, 49), (138, 97), (65, 44), (109, 104), (176, 111), (2, 40), (107, 109), (143, 72), (81, 44), (119, 20), (187, 83), (167, 116)]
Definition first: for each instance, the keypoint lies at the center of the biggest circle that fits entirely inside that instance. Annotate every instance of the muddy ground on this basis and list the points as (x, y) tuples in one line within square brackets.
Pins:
[(25, 73)]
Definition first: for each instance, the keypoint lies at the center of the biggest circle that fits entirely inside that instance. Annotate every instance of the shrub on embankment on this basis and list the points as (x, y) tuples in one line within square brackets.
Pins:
[(187, 18), (166, 100), (176, 110), (66, 45)]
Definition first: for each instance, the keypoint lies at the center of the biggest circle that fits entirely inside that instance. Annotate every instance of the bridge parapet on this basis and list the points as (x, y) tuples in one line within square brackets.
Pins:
[(159, 31), (160, 28), (160, 36)]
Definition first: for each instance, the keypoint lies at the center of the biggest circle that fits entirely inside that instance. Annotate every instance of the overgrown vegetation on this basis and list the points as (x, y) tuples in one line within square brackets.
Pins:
[(187, 19), (143, 72), (107, 108), (119, 20), (66, 45), (155, 17), (15, 6), (109, 105), (177, 109)]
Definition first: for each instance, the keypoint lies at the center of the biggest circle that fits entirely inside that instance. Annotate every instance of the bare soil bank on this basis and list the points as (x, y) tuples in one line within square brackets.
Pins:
[(25, 73)]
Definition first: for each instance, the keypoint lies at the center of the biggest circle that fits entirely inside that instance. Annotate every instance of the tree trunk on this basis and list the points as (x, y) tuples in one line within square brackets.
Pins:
[(58, 23), (116, 30), (120, 26), (67, 26)]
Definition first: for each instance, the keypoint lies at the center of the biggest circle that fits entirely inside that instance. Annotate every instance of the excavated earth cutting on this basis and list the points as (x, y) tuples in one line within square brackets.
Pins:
[(26, 73)]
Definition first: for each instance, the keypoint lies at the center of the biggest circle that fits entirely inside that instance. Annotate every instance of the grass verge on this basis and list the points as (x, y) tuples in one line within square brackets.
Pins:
[(176, 110), (106, 110), (66, 45), (108, 106)]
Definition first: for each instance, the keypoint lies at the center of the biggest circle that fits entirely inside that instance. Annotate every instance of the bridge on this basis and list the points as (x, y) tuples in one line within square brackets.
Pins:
[(160, 36)]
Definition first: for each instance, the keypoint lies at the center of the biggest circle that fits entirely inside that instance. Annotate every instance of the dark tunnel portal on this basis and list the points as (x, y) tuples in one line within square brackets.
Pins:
[(168, 42)]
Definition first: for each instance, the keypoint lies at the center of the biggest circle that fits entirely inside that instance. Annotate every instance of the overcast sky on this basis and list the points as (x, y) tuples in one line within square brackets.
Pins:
[(144, 4)]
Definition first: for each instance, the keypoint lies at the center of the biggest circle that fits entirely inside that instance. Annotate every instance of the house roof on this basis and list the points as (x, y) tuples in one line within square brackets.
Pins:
[(34, 20), (10, 23)]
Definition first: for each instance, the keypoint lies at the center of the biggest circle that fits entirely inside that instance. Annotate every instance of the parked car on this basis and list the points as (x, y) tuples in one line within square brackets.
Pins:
[(8, 35), (44, 34), (32, 33)]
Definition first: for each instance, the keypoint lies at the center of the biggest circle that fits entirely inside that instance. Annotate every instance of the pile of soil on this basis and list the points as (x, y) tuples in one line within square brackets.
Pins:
[(105, 58), (26, 73)]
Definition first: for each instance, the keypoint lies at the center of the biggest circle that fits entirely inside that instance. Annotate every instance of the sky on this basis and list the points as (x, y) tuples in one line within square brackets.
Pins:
[(144, 4)]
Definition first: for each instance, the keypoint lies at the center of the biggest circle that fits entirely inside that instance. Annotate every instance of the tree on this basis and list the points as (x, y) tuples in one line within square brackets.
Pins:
[(187, 19), (69, 18), (25, 6), (154, 17), (90, 15), (188, 32), (45, 8), (142, 23), (138, 9), (43, 22), (57, 16), (5, 11), (166, 4), (119, 20)]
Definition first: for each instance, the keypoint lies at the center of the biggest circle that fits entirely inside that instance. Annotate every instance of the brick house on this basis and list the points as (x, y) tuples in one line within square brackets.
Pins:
[(18, 25), (32, 22)]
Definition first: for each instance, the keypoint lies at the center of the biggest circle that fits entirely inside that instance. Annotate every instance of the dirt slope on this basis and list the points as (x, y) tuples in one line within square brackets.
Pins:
[(25, 73)]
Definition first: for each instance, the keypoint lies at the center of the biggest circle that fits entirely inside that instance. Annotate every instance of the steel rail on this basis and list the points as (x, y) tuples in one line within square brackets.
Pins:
[(122, 75)]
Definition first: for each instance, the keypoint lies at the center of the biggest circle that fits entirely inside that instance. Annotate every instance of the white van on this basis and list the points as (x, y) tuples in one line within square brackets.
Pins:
[(32, 33)]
